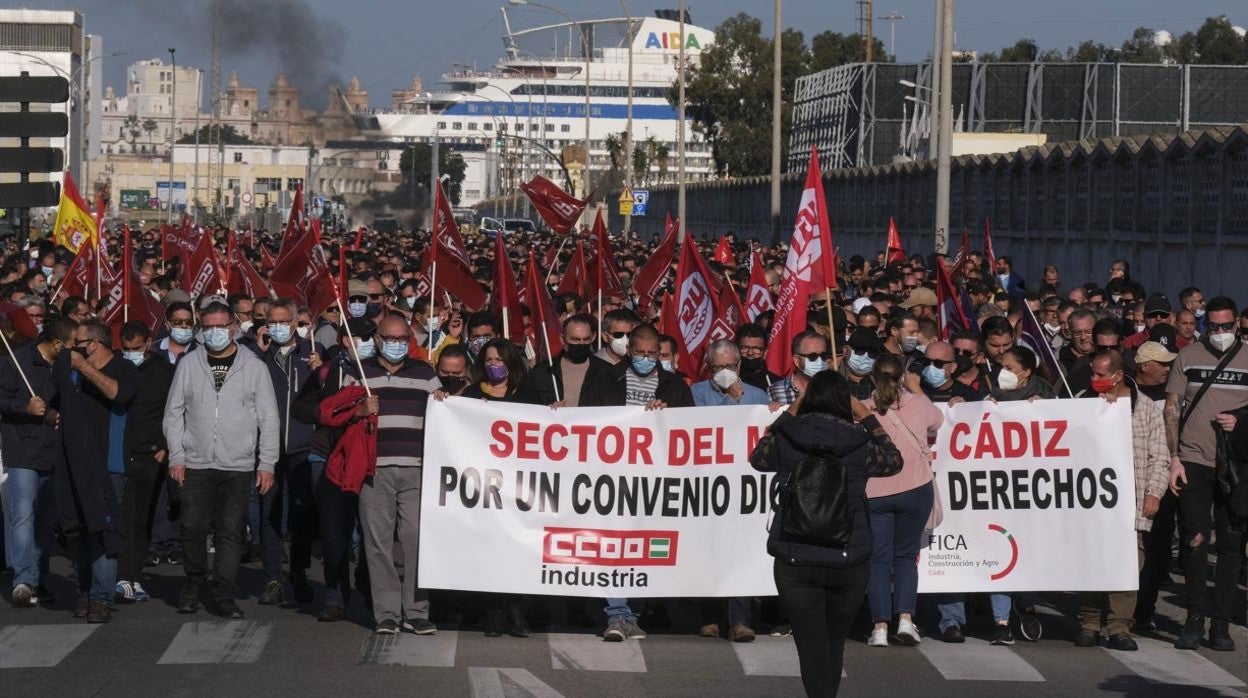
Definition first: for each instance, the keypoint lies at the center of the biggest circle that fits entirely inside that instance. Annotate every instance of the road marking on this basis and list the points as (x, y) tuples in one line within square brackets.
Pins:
[(25, 646), (976, 660), (1161, 662), (406, 649), (770, 656), (507, 683), (218, 642), (591, 653)]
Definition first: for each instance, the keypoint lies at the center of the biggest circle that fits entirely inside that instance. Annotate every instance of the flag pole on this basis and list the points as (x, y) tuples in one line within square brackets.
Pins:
[(16, 365), (836, 356), (541, 316), (556, 260), (346, 325), (125, 275), (1049, 350), (433, 297)]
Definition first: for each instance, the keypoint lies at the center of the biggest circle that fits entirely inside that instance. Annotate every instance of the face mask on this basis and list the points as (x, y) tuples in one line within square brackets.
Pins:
[(1053, 329), (1199, 312), (476, 344), (181, 335), (372, 310), (619, 345), (934, 376), (810, 368), (357, 309), (304, 332), (577, 353), (394, 352), (725, 378), (452, 384), (1115, 298), (47, 271), (909, 344), (495, 373), (963, 363), (668, 366), (280, 333), (1102, 385), (432, 324), (217, 338), (1222, 341), (245, 326), (1139, 328), (643, 365), (751, 366), (1007, 380), (411, 302), (366, 349), (135, 357), (861, 364)]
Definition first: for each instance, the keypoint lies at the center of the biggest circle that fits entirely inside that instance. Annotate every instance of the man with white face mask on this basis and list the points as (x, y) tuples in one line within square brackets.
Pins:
[(615, 328), (1194, 414), (811, 355), (723, 363)]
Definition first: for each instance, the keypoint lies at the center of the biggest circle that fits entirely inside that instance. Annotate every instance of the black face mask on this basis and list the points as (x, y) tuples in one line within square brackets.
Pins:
[(373, 310), (963, 363), (578, 353), (453, 384), (751, 367)]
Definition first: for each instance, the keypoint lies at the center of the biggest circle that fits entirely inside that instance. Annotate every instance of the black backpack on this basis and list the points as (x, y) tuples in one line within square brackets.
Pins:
[(814, 501)]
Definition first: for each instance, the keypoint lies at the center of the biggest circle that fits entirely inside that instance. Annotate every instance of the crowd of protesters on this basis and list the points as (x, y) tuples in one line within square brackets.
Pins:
[(228, 430)]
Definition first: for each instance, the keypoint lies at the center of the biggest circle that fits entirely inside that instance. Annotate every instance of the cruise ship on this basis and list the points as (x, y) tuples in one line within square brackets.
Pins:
[(525, 115)]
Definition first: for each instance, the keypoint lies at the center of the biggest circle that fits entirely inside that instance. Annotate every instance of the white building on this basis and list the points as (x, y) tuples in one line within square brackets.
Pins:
[(140, 120)]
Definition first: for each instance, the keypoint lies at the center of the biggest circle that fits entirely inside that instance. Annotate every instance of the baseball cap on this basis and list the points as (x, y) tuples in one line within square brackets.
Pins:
[(860, 303), (1165, 335), (1157, 303), (176, 295), (206, 301), (1154, 351), (356, 287), (863, 339), (921, 296)]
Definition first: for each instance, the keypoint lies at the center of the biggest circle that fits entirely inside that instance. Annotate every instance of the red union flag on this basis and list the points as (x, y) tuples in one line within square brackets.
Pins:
[(558, 208), (294, 225), (652, 274), (805, 252), (202, 274), (729, 315), (447, 251), (758, 298), (695, 308), (606, 548)]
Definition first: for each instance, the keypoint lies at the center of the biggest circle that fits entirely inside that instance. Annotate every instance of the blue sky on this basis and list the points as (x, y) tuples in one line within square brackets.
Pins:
[(386, 42)]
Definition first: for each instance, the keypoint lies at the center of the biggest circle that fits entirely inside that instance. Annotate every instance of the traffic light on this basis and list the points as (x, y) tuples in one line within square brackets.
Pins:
[(23, 160)]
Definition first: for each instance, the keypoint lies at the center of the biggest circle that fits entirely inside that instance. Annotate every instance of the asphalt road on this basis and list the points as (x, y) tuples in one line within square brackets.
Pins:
[(149, 649)]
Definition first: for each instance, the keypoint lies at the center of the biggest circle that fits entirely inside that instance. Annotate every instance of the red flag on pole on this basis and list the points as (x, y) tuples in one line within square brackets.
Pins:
[(895, 255), (695, 308), (294, 225), (576, 278), (652, 274), (243, 278), (202, 275), (179, 243), (989, 253), (448, 252), (548, 333), (505, 298), (127, 300), (607, 276), (723, 251), (804, 253), (729, 315), (758, 298), (964, 253), (303, 275), (558, 208), (667, 316), (951, 316)]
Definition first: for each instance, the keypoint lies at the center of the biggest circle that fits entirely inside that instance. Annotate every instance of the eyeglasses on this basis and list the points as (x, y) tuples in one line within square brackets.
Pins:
[(304, 324), (617, 335), (374, 296), (645, 354), (721, 367), (751, 350), (214, 327), (357, 299), (393, 338), (1221, 325), (815, 356), (181, 323), (968, 353), (940, 363), (1157, 315)]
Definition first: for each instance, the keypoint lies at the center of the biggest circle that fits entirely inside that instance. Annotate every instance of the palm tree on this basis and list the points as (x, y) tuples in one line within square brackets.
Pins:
[(661, 156), (133, 128), (150, 126), (641, 165), (615, 148)]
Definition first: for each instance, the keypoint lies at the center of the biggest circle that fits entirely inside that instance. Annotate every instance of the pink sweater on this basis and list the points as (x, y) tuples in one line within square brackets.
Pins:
[(918, 413)]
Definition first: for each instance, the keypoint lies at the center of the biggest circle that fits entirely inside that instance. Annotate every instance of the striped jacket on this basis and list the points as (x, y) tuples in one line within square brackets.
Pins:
[(403, 396)]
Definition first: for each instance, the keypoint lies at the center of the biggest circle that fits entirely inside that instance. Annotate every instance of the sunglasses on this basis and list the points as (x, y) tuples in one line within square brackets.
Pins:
[(1221, 325), (1158, 315), (357, 299), (815, 356), (940, 363), (968, 353), (617, 335)]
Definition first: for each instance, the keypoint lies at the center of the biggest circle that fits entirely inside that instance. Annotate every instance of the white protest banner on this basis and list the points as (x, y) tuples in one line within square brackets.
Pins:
[(1037, 496), (602, 501)]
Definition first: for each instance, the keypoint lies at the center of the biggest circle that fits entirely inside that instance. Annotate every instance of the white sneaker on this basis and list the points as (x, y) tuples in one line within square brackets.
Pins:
[(908, 633), (140, 594), (879, 638), (124, 592)]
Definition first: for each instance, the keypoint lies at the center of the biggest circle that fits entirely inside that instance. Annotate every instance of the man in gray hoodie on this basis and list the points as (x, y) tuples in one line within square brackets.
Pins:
[(222, 427)]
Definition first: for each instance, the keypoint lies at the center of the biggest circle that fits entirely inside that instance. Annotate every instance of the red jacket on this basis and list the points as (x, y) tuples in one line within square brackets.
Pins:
[(354, 457)]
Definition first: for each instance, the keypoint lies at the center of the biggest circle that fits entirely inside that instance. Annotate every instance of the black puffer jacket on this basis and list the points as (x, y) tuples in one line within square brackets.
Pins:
[(864, 449)]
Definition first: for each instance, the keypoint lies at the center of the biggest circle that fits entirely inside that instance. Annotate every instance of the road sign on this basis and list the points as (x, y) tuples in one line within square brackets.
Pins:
[(31, 160), (626, 202), (135, 198), (641, 198), (29, 194), (34, 88), (246, 197)]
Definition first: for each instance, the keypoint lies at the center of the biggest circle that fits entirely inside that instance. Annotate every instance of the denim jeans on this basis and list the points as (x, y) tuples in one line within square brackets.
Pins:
[(138, 500), (272, 519), (337, 512), (897, 523), (952, 609), (94, 571), (30, 519), (214, 501), (821, 602), (618, 608)]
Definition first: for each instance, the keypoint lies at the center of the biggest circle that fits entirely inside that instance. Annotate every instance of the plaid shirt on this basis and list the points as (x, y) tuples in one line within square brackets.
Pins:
[(783, 391), (1151, 454)]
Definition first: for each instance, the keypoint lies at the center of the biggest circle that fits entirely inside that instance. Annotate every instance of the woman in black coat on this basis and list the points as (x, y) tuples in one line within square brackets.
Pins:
[(822, 586)]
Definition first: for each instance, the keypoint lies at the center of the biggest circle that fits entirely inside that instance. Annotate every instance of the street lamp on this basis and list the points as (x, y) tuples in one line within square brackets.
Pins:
[(588, 57), (173, 126), (893, 17)]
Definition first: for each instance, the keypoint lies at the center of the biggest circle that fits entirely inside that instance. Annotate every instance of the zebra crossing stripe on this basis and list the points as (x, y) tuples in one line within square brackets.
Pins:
[(507, 683), (218, 642), (589, 653), (28, 646), (770, 656), (405, 649), (1161, 662), (976, 660)]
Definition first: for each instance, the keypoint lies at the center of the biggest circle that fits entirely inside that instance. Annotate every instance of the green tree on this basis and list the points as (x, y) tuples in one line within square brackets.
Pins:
[(1141, 47), (133, 129), (728, 94), (641, 164), (414, 164), (227, 134), (1023, 51), (615, 151), (1216, 43), (662, 158), (829, 49), (150, 127)]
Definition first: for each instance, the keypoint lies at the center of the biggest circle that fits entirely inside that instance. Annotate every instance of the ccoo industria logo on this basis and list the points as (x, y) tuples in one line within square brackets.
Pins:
[(580, 546)]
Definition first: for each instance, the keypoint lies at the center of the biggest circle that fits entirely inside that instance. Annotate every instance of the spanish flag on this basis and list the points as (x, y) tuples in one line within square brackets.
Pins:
[(74, 224)]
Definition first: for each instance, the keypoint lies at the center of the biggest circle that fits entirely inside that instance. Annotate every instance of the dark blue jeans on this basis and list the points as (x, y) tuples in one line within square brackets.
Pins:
[(897, 523), (337, 512), (214, 501), (288, 506)]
